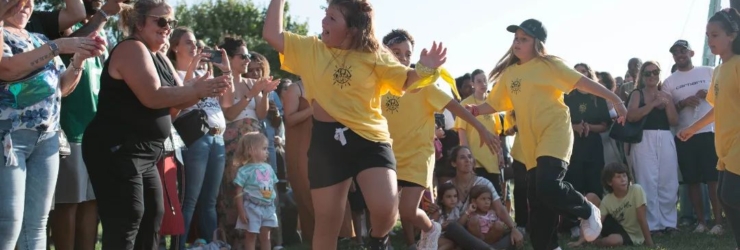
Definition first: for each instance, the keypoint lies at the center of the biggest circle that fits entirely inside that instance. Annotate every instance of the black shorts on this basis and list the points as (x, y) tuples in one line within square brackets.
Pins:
[(612, 226), (697, 158), (330, 162), (402, 183)]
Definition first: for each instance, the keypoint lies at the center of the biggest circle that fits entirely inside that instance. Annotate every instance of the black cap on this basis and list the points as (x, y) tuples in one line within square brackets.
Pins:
[(532, 27), (682, 43)]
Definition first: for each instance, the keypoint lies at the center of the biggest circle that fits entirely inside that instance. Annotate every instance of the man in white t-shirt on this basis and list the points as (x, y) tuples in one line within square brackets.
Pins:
[(697, 158)]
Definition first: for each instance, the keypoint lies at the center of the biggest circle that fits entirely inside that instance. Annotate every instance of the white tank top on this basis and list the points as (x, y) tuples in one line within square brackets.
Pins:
[(250, 111)]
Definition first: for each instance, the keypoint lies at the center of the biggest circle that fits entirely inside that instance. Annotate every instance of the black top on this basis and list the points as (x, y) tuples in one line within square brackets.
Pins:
[(657, 119), (45, 22), (592, 110), (121, 113)]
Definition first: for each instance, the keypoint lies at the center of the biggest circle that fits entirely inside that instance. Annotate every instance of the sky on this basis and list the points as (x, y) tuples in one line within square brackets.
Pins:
[(602, 33)]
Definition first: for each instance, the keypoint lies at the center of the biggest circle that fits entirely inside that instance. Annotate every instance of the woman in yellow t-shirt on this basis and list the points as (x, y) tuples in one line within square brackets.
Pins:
[(533, 83), (345, 73), (411, 123), (486, 162), (722, 31)]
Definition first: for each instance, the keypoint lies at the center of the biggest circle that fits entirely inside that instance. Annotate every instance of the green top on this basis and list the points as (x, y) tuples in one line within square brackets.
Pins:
[(79, 108)]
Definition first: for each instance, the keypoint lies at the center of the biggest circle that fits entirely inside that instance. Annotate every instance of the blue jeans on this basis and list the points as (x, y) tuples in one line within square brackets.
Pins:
[(204, 168), (26, 190)]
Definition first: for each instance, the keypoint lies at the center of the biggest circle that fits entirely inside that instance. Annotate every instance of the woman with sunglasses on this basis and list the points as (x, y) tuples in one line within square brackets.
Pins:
[(243, 117), (139, 93), (654, 158)]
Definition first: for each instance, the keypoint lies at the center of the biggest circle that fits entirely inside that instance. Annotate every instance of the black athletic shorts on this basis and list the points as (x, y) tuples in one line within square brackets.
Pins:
[(330, 162), (697, 158)]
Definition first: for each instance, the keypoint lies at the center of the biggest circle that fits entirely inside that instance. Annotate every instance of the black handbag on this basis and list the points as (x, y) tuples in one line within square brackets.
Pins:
[(630, 132), (191, 126)]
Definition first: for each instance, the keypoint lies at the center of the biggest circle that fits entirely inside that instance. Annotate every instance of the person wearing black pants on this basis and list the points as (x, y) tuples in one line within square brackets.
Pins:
[(728, 189), (521, 206), (533, 83)]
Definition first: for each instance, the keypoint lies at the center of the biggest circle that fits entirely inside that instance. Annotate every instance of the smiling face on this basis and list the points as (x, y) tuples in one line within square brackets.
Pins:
[(334, 28), (186, 48), (157, 26), (651, 75), (402, 51), (240, 60), (682, 56), (20, 19)]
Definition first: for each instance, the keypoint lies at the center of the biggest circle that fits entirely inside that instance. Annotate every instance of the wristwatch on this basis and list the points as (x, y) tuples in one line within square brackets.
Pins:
[(54, 48)]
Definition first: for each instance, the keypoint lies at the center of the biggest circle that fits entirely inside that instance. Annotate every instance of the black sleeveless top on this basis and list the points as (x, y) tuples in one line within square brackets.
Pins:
[(122, 116)]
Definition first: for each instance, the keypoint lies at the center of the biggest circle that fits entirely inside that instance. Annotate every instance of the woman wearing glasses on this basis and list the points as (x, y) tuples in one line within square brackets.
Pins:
[(139, 93), (654, 158)]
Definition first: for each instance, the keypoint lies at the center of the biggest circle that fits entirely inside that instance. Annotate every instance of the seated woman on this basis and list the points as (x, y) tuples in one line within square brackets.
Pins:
[(465, 179), (623, 210)]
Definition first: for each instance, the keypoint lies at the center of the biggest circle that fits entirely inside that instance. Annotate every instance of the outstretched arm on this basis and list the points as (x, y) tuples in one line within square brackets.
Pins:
[(272, 31), (599, 90)]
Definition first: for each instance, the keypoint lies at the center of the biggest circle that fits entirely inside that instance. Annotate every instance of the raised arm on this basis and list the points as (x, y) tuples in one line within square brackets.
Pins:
[(72, 13), (272, 31), (599, 90), (20, 65), (97, 22), (493, 142)]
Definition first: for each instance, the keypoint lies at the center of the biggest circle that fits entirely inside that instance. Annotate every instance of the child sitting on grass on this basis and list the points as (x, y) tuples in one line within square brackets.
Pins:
[(623, 210)]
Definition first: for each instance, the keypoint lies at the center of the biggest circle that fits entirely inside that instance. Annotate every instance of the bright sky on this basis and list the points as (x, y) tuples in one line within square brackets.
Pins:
[(601, 33)]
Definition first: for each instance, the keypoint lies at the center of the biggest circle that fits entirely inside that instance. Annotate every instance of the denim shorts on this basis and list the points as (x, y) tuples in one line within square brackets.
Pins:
[(258, 215)]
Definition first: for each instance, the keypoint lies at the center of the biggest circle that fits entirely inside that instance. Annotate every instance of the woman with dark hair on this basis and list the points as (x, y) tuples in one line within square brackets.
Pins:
[(654, 158), (612, 149), (722, 31), (139, 94), (464, 85)]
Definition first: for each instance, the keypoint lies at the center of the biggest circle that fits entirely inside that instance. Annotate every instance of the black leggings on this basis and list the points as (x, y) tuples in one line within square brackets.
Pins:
[(521, 208), (128, 192), (549, 196), (728, 190)]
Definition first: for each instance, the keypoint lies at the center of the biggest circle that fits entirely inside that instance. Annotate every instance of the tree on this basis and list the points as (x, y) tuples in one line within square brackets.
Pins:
[(213, 20)]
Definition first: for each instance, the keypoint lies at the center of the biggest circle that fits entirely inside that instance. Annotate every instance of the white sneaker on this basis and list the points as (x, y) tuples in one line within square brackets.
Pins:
[(429, 240), (700, 229), (575, 232), (558, 248), (717, 230), (592, 226)]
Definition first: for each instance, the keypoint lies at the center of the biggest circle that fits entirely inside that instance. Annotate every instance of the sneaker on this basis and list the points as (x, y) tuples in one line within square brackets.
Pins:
[(717, 230), (278, 248), (558, 248), (575, 232), (592, 226), (701, 228), (429, 240)]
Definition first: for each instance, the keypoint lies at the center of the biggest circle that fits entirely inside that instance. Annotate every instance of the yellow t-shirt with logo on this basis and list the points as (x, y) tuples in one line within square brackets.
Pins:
[(347, 84), (535, 89), (723, 96), (411, 123), (483, 156), (624, 211)]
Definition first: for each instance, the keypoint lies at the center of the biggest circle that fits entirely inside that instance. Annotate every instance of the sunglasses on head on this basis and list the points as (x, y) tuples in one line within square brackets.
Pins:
[(651, 73), (163, 22)]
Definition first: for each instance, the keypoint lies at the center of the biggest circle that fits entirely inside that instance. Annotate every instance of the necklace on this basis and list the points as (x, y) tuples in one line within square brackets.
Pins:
[(18, 32), (464, 192)]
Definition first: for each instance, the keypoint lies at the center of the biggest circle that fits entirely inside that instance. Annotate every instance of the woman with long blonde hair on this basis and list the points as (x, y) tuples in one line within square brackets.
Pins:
[(533, 82)]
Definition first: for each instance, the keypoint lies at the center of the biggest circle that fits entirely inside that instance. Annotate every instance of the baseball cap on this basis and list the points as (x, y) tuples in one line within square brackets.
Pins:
[(532, 27), (682, 43)]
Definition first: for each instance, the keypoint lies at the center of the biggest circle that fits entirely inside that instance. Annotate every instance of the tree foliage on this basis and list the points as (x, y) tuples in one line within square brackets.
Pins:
[(213, 20)]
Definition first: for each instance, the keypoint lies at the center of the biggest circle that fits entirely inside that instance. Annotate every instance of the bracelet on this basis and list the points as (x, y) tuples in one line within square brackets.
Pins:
[(424, 71)]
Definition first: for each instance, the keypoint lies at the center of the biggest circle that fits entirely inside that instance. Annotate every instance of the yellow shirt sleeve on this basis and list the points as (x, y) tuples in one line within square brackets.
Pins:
[(436, 97), (297, 51), (713, 88), (391, 74), (639, 196), (565, 76), (499, 98)]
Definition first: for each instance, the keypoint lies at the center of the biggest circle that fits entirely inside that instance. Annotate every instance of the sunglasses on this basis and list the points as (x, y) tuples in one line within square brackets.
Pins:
[(163, 22), (651, 73), (242, 56)]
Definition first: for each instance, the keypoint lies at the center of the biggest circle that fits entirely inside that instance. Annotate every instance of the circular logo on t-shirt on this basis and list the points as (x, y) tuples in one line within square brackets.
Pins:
[(391, 103)]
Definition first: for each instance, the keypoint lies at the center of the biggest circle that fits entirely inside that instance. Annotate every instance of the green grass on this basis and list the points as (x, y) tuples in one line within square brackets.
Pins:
[(684, 240)]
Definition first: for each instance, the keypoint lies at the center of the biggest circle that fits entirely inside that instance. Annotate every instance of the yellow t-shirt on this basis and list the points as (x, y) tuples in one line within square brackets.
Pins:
[(723, 96), (624, 210), (347, 84), (411, 123), (483, 156), (535, 89)]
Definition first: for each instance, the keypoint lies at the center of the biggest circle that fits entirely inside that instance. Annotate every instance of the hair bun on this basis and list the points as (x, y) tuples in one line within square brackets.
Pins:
[(365, 6)]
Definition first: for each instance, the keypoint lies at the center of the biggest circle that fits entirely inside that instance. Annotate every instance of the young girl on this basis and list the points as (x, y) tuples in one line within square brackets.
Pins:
[(487, 162), (623, 210), (255, 187), (723, 30), (533, 82), (483, 222), (447, 212), (345, 73), (411, 124)]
